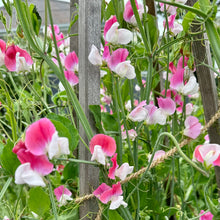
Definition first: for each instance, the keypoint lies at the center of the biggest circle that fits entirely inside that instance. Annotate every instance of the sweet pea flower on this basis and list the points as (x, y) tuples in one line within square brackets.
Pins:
[(2, 52), (206, 216), (208, 154), (63, 195), (174, 27), (207, 141), (192, 127), (121, 171), (42, 137), (139, 113), (128, 14), (117, 63), (158, 154), (17, 59), (6, 218), (101, 146), (169, 8), (113, 34), (112, 194), (94, 56)]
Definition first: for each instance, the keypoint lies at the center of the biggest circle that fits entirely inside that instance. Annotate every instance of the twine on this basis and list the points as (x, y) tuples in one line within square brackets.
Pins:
[(156, 162)]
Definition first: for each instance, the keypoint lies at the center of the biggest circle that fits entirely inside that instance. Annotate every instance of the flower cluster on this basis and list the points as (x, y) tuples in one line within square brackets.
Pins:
[(41, 144), (102, 146)]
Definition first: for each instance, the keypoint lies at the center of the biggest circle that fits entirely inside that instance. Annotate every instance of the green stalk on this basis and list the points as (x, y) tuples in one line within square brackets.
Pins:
[(5, 187), (124, 119), (78, 161), (115, 101), (53, 203), (139, 24), (148, 86)]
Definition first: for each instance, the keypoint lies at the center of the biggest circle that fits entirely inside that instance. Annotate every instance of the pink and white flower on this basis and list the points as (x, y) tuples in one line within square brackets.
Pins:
[(42, 137), (113, 34), (132, 134), (17, 59), (121, 171), (71, 77), (71, 62), (128, 14), (63, 195), (117, 62), (208, 154), (167, 105), (192, 127), (173, 26), (112, 194), (101, 146)]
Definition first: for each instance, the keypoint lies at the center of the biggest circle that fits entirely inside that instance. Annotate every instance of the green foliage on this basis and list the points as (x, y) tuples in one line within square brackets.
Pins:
[(65, 129), (96, 111), (39, 201), (35, 18), (9, 160)]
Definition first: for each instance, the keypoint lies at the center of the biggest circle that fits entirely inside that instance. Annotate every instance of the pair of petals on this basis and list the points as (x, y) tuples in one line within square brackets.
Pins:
[(101, 146), (192, 127), (120, 172), (63, 195), (114, 35), (58, 35), (173, 26), (208, 154), (106, 193)]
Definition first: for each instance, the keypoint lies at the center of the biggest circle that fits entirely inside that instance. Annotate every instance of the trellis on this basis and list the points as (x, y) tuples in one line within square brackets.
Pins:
[(89, 29)]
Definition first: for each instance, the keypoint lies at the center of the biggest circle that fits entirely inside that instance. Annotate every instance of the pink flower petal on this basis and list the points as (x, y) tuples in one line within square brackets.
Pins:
[(157, 155), (124, 170), (40, 164), (71, 62), (2, 46), (167, 105), (117, 57), (193, 127), (139, 113), (101, 189), (38, 136), (106, 196), (128, 12), (108, 24), (106, 142), (197, 155), (71, 77), (207, 216), (10, 58), (112, 170), (176, 81)]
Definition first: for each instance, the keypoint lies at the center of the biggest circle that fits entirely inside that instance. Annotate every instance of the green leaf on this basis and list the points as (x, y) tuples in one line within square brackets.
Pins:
[(7, 7), (189, 17), (9, 160), (113, 215), (39, 201), (109, 11), (125, 90), (35, 18), (70, 171), (65, 128), (204, 5), (109, 122), (153, 30), (96, 111)]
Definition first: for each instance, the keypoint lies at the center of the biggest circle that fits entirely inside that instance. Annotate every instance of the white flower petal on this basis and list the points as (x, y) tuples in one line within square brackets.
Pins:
[(98, 155), (125, 69), (53, 148), (124, 36), (94, 56), (116, 202), (24, 174)]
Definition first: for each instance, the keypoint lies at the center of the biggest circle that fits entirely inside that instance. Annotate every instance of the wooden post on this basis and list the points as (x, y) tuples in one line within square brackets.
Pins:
[(201, 52), (89, 94)]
